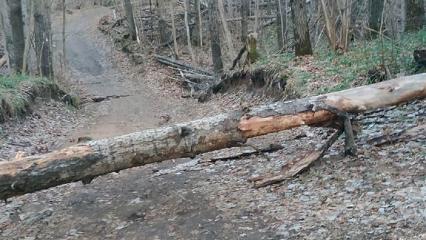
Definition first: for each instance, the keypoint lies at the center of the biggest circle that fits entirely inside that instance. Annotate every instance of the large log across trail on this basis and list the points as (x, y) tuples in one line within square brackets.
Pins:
[(86, 161)]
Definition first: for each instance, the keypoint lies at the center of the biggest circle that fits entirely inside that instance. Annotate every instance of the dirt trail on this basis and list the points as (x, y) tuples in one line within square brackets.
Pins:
[(91, 62), (133, 204), (378, 195)]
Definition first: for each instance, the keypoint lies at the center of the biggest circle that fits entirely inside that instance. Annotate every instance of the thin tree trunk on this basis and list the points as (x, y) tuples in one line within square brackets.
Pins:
[(130, 20), (197, 33), (215, 37), (64, 47), (175, 44), (30, 34), (228, 35), (86, 161), (245, 12), (415, 15), (281, 24), (162, 24), (376, 9), (188, 30), (13, 28), (43, 37), (301, 29)]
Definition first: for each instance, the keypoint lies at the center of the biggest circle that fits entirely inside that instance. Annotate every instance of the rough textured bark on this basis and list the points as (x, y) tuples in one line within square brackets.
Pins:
[(227, 33), (415, 15), (86, 161), (376, 9), (128, 8), (301, 29), (13, 27), (175, 44), (197, 33), (43, 37), (245, 12), (188, 30), (281, 23), (162, 24), (215, 37)]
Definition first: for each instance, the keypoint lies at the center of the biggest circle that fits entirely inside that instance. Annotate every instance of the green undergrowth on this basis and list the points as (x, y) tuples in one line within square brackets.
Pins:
[(18, 92), (328, 71)]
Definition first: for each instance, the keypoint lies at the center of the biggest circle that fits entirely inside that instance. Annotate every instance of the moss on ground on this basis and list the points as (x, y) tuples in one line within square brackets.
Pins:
[(18, 92), (327, 71)]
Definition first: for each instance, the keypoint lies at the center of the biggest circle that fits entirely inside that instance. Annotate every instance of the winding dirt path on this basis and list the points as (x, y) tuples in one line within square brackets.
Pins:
[(91, 62), (132, 204)]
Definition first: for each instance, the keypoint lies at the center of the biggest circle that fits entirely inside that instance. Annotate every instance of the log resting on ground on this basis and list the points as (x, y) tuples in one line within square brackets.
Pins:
[(86, 161)]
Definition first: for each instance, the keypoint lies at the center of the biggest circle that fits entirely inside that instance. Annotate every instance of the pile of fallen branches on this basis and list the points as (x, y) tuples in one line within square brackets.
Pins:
[(202, 83)]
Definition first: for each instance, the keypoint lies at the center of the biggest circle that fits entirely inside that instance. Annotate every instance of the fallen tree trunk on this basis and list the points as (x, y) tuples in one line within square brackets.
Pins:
[(86, 161)]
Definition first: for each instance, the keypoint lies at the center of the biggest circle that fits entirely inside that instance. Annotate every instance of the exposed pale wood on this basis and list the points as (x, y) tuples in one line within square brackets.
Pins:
[(85, 161)]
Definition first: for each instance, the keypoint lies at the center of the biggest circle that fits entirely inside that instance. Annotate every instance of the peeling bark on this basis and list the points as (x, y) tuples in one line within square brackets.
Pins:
[(86, 161)]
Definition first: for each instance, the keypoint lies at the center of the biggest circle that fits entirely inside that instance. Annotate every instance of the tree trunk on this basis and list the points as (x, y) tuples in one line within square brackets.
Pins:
[(215, 37), (84, 162), (13, 28), (415, 15), (188, 30), (197, 33), (162, 24), (245, 12), (301, 29), (228, 36), (376, 9), (43, 37), (128, 8), (175, 44), (281, 23)]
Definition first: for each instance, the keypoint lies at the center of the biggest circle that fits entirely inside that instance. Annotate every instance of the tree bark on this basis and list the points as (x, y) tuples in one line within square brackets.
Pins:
[(128, 8), (84, 162), (281, 23), (376, 9), (228, 36), (188, 31), (215, 37), (301, 29), (415, 15), (197, 33), (43, 37), (162, 24), (13, 28), (245, 12)]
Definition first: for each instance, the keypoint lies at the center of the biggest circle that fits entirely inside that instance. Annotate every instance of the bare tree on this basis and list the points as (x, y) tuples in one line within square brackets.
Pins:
[(198, 28), (130, 20), (245, 12), (162, 23), (281, 23), (337, 16), (375, 19), (175, 44), (228, 36), (13, 27), (215, 37), (415, 15), (43, 37), (188, 30), (301, 29)]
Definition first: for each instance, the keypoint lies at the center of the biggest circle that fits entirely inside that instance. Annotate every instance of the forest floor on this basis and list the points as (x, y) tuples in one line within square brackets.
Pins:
[(380, 194)]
